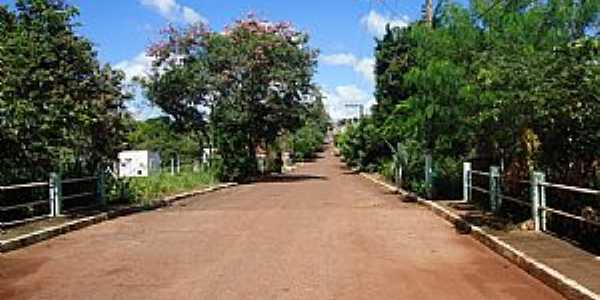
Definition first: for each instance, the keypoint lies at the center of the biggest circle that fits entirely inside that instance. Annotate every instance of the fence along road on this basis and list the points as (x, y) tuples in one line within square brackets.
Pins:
[(50, 196), (322, 233), (537, 191)]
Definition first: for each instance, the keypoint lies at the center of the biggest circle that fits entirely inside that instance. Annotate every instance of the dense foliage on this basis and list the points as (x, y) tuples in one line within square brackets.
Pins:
[(254, 80), (59, 109), (515, 82), (161, 135), (500, 83), (306, 141)]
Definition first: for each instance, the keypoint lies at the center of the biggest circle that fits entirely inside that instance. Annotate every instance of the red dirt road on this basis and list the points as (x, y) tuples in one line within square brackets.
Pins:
[(321, 233)]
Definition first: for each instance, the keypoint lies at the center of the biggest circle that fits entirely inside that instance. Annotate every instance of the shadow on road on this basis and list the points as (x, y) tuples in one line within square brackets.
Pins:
[(289, 178), (350, 172), (314, 158)]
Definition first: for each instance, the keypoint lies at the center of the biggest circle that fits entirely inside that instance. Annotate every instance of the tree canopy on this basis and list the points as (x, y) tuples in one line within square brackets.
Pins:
[(251, 83), (501, 83), (59, 108)]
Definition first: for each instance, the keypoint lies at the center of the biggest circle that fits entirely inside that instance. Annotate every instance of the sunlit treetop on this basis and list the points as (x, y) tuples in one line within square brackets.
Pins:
[(177, 42), (258, 26)]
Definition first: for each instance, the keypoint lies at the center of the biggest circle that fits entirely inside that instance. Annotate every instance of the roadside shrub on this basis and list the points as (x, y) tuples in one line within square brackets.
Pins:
[(306, 141), (387, 169), (362, 145)]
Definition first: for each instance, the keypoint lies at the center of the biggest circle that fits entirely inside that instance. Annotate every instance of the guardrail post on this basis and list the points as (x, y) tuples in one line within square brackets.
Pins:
[(55, 193), (100, 188), (261, 164), (536, 179), (172, 166), (543, 213), (428, 174), (467, 167), (494, 196), (399, 176)]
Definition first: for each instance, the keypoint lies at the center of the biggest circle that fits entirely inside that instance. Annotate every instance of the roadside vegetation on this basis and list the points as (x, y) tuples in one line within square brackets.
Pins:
[(145, 190), (61, 110), (246, 89), (513, 84), (255, 82), (305, 142), (161, 135)]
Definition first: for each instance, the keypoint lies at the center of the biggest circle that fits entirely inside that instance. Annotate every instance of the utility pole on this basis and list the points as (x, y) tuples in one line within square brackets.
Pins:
[(428, 12)]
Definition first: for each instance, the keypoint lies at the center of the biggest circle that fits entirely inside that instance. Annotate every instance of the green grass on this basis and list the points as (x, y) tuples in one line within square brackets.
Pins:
[(148, 189)]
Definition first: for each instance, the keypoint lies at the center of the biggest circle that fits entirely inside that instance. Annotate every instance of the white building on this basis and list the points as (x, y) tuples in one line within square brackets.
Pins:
[(138, 163), (208, 154)]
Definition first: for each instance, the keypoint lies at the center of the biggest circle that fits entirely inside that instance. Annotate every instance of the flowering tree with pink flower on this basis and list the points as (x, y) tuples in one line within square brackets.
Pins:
[(248, 84)]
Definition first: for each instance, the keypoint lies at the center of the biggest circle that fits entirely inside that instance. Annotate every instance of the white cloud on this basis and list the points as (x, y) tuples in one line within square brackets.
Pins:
[(138, 66), (165, 7), (191, 16), (141, 109), (337, 99), (375, 22), (339, 59), (364, 67), (174, 12)]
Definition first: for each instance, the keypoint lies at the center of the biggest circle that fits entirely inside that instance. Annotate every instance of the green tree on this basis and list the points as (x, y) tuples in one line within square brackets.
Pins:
[(308, 139), (161, 135), (393, 60), (501, 81), (58, 107), (254, 78)]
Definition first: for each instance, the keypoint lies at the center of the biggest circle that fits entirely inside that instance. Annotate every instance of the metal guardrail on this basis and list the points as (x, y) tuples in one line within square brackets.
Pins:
[(30, 204), (55, 197), (479, 189), (571, 188), (515, 200), (537, 201), (23, 205), (480, 173), (23, 221), (77, 180), (23, 186)]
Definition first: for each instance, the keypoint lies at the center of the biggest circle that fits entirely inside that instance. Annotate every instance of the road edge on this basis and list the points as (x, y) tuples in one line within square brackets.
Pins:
[(566, 286), (52, 232)]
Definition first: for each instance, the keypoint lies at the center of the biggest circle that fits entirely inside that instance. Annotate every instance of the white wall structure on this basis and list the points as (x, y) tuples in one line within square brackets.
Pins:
[(138, 163), (208, 153)]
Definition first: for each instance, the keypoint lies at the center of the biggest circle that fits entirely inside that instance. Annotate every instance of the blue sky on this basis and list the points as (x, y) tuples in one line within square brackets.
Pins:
[(343, 30)]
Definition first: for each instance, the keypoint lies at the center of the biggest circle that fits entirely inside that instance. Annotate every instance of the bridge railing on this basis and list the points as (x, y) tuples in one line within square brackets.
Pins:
[(537, 201), (24, 203)]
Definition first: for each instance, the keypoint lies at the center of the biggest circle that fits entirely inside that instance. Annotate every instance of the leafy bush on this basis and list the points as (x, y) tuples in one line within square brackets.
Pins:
[(362, 145), (388, 169), (306, 141)]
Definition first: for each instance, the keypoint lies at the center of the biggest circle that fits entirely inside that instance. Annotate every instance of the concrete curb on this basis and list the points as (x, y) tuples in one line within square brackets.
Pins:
[(552, 278), (51, 232)]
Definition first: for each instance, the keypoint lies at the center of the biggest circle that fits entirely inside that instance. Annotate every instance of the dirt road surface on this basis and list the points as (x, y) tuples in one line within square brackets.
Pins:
[(320, 233)]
